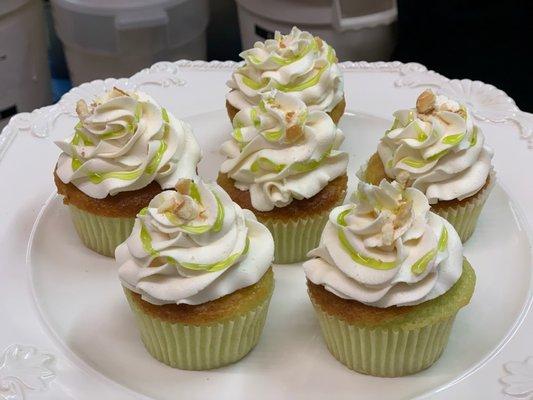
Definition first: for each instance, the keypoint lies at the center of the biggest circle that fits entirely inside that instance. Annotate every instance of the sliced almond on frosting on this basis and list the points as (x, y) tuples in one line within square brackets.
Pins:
[(183, 186), (293, 133), (82, 109), (425, 102)]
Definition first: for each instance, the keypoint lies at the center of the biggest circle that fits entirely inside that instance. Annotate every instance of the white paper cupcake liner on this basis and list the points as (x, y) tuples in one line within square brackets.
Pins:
[(201, 347), (101, 234)]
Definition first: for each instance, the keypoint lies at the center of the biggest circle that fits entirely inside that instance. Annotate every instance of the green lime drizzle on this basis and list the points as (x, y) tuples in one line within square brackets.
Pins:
[(156, 159), (420, 266), (164, 115), (195, 193), (97, 177), (363, 260), (473, 138), (341, 218), (453, 139), (253, 84), (443, 240), (146, 240), (273, 136), (218, 265), (217, 226)]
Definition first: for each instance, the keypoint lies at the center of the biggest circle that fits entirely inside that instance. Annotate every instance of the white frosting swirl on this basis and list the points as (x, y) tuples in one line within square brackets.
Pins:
[(297, 63), (386, 249), (440, 151), (122, 143), (282, 151), (192, 246)]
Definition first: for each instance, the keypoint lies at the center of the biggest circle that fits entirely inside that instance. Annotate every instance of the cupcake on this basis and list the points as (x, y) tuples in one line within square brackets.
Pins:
[(283, 164), (387, 281), (197, 274), (437, 149), (125, 149), (297, 63)]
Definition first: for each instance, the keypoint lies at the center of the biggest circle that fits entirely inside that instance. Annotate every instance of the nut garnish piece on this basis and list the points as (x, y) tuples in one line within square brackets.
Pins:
[(425, 102), (289, 116), (82, 109), (116, 92), (183, 186), (293, 133)]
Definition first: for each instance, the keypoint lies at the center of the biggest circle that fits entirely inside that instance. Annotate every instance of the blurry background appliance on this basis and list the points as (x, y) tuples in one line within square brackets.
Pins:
[(357, 29), (116, 38), (24, 73)]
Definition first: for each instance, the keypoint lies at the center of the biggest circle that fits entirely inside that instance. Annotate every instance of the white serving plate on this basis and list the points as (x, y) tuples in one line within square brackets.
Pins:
[(68, 332)]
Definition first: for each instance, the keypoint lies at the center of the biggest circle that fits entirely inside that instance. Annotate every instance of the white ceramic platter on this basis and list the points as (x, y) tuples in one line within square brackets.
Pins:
[(68, 333)]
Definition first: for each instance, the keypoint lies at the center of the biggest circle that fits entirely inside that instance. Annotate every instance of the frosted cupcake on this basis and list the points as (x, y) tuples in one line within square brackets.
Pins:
[(125, 149), (387, 281), (196, 272), (437, 148), (283, 163), (297, 63)]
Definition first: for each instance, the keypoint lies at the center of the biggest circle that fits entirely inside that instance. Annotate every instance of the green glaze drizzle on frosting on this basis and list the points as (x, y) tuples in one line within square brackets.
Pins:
[(97, 177), (416, 163), (265, 164), (164, 115), (443, 240), (420, 132), (360, 259), (422, 263), (453, 139), (253, 84), (143, 212), (217, 226), (219, 265), (156, 159), (473, 138), (195, 193), (341, 218), (146, 241)]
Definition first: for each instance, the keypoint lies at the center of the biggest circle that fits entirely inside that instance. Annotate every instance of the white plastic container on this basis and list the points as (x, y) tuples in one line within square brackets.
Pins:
[(116, 38), (357, 29), (24, 73)]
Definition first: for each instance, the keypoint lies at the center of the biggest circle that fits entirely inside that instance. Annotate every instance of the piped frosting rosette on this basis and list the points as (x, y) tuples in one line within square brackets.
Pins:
[(438, 148), (123, 142), (386, 249), (297, 63), (281, 150), (193, 245)]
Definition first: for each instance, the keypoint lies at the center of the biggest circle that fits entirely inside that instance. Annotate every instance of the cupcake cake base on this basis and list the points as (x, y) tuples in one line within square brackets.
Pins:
[(297, 227), (204, 336), (392, 341), (102, 224)]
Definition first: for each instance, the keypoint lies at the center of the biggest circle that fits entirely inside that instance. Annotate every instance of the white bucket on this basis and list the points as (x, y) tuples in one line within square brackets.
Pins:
[(357, 29), (116, 38), (24, 72)]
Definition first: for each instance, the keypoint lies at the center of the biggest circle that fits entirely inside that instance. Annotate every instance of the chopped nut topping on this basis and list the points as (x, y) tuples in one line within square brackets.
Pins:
[(183, 186), (116, 92), (403, 178), (82, 109), (293, 133), (288, 116), (425, 102)]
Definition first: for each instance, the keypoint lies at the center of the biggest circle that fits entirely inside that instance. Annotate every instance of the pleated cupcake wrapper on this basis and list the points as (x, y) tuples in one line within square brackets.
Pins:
[(294, 238), (200, 347), (384, 352), (101, 234), (464, 217)]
